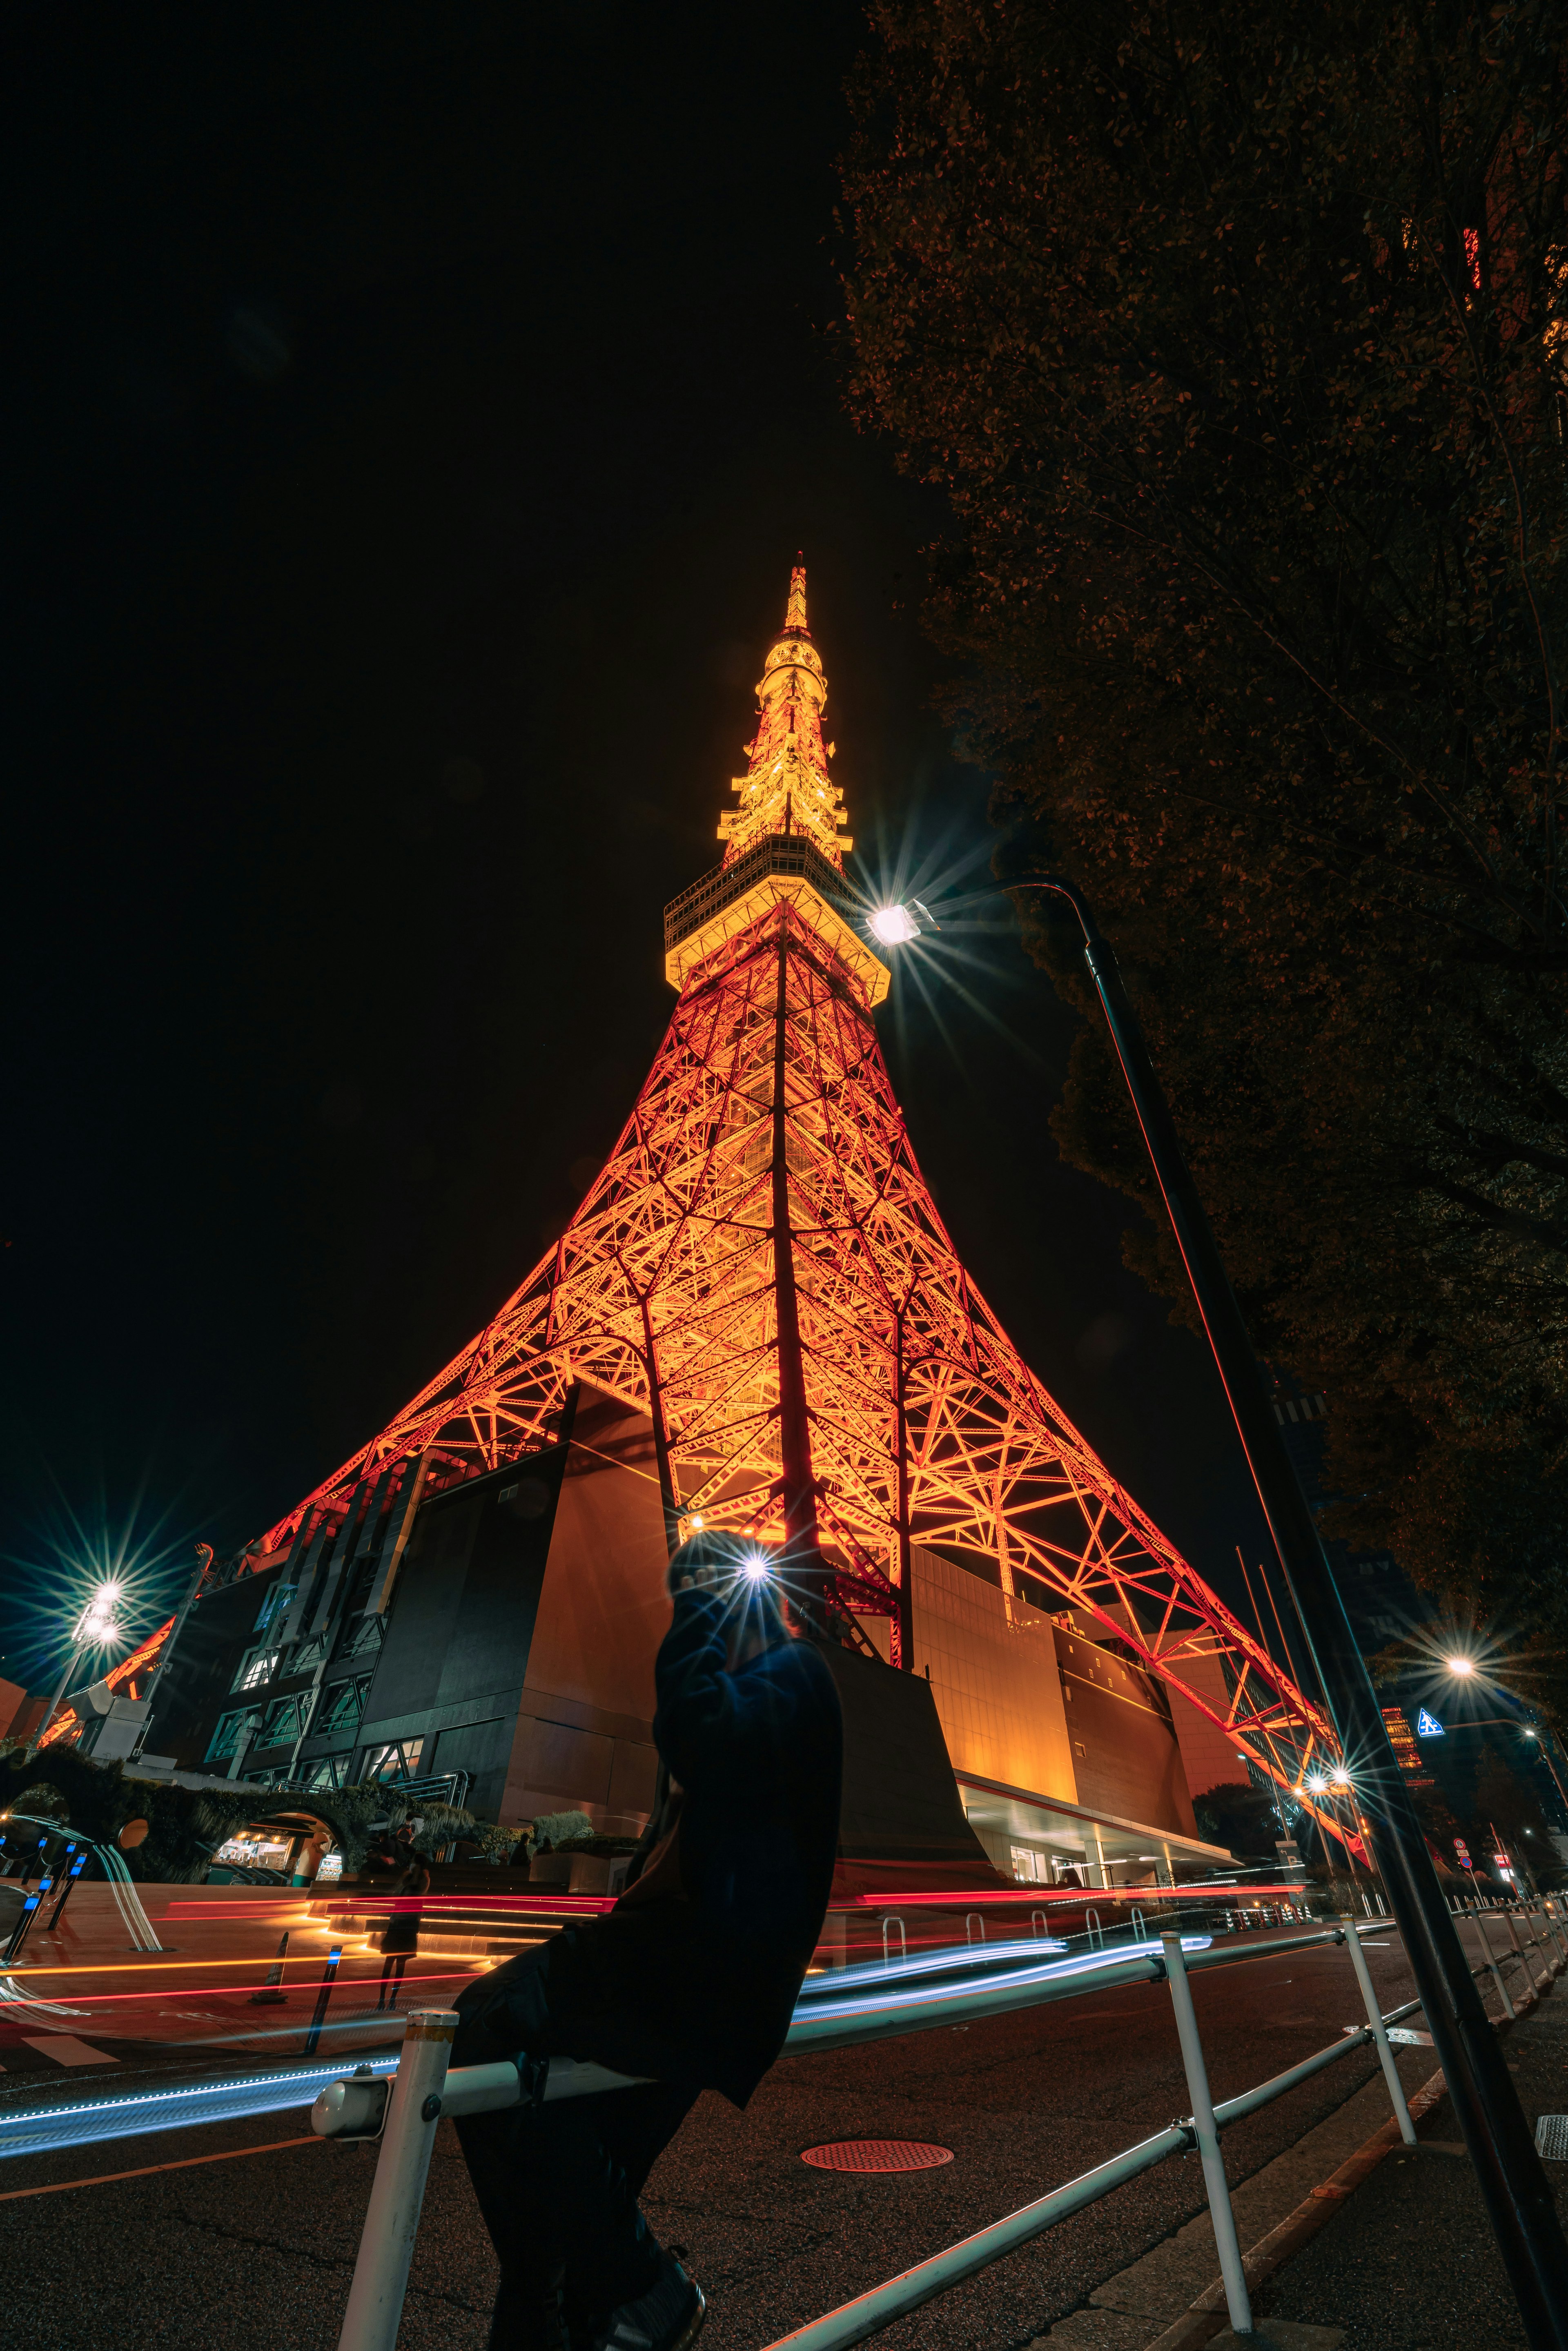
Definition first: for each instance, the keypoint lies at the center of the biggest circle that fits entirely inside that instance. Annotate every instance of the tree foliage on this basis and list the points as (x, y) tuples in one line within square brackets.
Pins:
[(1234, 333)]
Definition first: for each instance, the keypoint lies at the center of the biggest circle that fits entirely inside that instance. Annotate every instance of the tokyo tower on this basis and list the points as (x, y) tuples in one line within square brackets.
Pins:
[(761, 1270)]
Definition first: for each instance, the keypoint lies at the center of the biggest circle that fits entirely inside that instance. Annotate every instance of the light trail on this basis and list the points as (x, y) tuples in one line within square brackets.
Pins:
[(234, 1991)]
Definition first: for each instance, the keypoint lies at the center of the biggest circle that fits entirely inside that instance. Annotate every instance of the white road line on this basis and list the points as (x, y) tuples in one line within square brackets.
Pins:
[(66, 2050)]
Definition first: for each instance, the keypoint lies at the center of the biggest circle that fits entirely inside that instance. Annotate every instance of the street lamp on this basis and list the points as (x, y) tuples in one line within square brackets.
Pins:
[(1513, 2181), (98, 1627)]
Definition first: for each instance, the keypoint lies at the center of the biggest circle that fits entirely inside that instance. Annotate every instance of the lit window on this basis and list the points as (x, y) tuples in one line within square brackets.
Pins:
[(255, 1667), (275, 1604)]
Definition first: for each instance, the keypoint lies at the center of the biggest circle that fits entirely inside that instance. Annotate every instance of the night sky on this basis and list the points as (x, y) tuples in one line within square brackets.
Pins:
[(415, 415)]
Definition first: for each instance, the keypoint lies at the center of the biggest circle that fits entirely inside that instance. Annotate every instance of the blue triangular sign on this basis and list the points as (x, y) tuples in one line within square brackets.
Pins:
[(1427, 1725)]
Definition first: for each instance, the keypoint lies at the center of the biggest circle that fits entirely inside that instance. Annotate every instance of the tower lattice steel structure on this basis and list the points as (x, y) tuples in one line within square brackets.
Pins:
[(760, 1268)]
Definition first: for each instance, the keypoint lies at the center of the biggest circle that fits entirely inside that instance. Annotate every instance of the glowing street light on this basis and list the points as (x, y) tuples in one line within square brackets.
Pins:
[(1461, 1667), (98, 1627), (893, 925)]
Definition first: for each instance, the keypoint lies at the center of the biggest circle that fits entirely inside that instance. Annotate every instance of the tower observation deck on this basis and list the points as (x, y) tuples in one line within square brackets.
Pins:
[(760, 1269)]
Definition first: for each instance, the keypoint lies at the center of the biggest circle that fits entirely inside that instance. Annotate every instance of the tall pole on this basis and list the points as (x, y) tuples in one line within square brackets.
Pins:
[(1513, 2182)]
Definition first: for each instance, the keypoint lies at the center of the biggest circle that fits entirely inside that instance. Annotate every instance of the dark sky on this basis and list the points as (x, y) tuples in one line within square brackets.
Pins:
[(415, 415)]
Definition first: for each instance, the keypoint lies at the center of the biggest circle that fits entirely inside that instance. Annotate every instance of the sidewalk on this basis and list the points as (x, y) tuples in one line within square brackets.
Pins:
[(1407, 2262)]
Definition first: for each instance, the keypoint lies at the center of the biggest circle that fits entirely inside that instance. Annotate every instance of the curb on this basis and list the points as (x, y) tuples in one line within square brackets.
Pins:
[(1208, 2317)]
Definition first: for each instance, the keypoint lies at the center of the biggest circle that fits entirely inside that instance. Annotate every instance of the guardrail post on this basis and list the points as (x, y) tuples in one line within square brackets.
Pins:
[(1379, 2032), (1549, 1916), (319, 2017), (1525, 1969), (1485, 1941), (1544, 1941), (1236, 2297), (386, 2246)]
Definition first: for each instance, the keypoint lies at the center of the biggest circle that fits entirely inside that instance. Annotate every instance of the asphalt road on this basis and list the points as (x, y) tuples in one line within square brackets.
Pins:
[(256, 2250)]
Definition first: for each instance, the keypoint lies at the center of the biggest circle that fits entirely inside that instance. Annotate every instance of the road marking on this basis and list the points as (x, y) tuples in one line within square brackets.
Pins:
[(104, 2178), (66, 2050)]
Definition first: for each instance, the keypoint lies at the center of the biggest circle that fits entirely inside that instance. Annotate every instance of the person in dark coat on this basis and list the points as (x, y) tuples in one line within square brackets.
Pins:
[(399, 1937), (691, 1978)]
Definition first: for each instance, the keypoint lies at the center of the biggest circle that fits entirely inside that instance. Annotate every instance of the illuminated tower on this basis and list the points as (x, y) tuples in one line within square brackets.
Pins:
[(761, 1271)]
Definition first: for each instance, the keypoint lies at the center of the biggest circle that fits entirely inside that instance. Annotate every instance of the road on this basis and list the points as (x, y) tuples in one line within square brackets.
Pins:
[(256, 2250)]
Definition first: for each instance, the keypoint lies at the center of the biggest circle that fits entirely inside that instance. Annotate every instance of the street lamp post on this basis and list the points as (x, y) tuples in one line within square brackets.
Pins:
[(97, 1628), (1513, 2182)]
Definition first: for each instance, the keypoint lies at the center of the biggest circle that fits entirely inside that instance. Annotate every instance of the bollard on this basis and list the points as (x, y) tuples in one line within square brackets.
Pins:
[(386, 2248), (1379, 2034), (328, 1977), (269, 1995), (888, 1924), (78, 1866), (1485, 1941), (1203, 2126)]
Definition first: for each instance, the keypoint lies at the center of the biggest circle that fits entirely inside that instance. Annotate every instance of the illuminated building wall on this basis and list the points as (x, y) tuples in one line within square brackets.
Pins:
[(997, 1688)]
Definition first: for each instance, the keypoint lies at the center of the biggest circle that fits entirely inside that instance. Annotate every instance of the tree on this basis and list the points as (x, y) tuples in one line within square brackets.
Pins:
[(1245, 1819), (1233, 334)]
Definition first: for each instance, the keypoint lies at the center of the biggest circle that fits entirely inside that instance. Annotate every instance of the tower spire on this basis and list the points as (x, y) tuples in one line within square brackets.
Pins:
[(786, 788)]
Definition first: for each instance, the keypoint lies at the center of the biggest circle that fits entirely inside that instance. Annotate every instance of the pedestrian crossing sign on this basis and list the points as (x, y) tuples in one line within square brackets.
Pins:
[(1427, 1725)]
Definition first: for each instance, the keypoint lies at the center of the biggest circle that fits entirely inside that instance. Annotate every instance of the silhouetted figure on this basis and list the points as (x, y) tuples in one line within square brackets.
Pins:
[(400, 1939), (692, 1978)]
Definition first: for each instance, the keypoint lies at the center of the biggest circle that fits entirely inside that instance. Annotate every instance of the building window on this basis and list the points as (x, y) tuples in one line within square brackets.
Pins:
[(343, 1704), (286, 1718), (274, 1606), (397, 1760), (255, 1667), (230, 1729), (366, 1637), (1029, 1865), (329, 1771)]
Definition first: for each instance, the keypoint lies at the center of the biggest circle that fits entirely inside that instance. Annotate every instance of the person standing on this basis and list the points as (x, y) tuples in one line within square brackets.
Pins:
[(690, 1979), (400, 1939)]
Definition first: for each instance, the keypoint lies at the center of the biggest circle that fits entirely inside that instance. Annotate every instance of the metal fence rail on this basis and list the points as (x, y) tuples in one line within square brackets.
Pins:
[(843, 2009), (839, 2015)]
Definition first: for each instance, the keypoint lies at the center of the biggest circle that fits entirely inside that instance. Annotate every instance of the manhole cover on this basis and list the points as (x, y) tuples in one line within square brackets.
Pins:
[(1552, 2137), (876, 2155)]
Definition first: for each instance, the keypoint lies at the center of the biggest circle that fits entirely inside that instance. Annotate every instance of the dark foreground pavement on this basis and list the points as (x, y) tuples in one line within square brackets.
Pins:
[(1407, 2263), (256, 2250)]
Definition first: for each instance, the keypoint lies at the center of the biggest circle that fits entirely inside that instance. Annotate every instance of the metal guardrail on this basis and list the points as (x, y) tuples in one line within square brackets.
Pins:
[(838, 2015), (842, 2009)]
